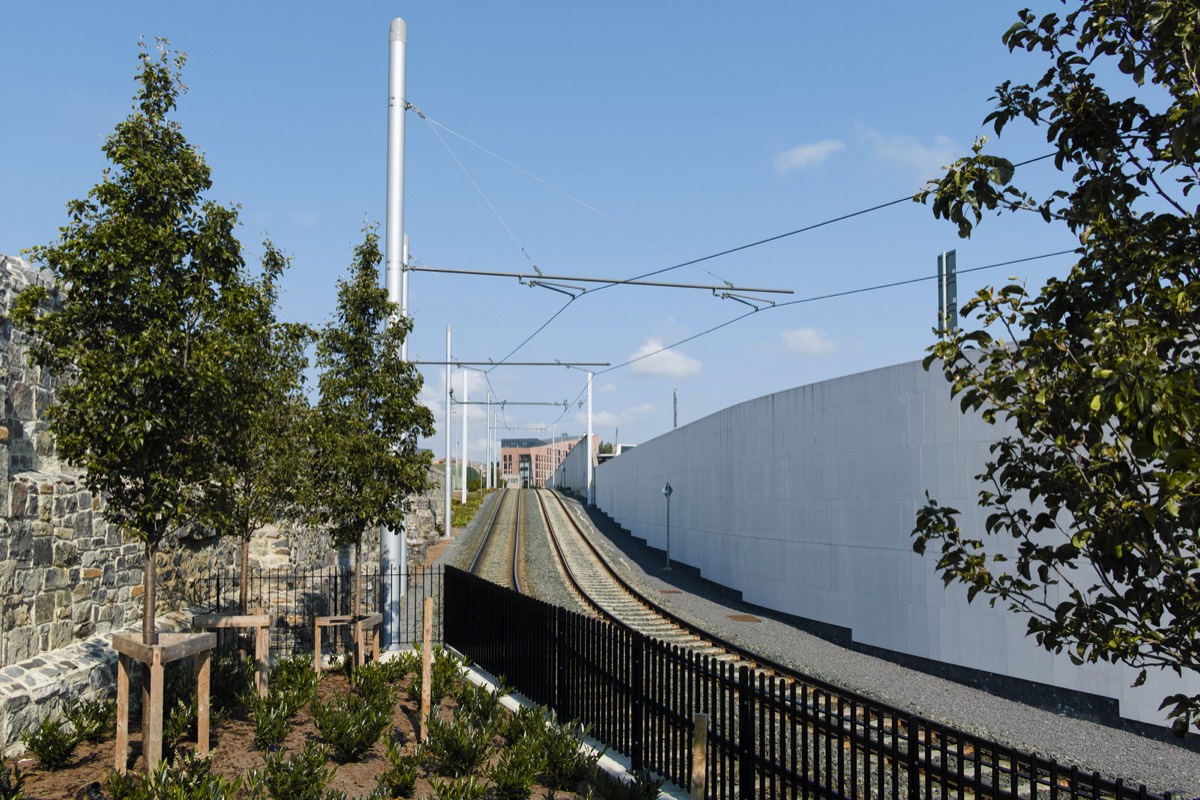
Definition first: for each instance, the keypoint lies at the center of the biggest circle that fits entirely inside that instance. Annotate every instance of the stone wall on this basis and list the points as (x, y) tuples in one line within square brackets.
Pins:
[(68, 578)]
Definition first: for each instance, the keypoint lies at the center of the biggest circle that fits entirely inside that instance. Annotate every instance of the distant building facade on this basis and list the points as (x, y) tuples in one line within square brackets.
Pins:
[(528, 463)]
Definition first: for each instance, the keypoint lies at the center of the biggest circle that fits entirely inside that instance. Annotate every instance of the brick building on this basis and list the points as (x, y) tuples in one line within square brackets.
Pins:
[(531, 462)]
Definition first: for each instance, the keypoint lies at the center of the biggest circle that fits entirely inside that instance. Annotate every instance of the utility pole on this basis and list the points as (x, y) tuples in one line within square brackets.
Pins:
[(393, 544), (466, 399), (446, 480), (591, 488)]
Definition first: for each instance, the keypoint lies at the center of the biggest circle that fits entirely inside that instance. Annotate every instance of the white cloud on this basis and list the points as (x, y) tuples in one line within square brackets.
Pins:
[(807, 342), (807, 155), (924, 161), (664, 363), (607, 388), (609, 419)]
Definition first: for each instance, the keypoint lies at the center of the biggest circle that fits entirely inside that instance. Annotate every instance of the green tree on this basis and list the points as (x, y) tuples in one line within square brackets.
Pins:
[(367, 420), (1097, 372), (155, 303), (270, 455)]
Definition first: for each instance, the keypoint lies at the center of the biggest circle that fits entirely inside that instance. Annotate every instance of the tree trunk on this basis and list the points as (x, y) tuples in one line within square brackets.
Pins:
[(244, 579), (356, 608), (149, 595)]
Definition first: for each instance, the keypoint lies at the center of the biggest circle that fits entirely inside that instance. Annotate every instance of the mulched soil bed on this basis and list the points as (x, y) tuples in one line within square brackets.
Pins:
[(234, 754)]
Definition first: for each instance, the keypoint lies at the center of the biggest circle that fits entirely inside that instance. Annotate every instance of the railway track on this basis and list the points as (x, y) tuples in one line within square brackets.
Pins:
[(950, 766), (498, 557), (599, 588)]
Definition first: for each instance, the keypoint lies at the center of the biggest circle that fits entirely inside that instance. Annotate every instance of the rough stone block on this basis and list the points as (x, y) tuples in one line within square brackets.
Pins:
[(65, 554), (19, 644), (82, 522), (8, 574), (43, 551), (20, 543), (43, 608), (57, 578), (18, 496), (64, 504), (21, 396), (64, 533), (60, 634)]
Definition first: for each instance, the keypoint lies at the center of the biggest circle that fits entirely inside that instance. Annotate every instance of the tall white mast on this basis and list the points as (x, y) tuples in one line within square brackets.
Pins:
[(393, 547)]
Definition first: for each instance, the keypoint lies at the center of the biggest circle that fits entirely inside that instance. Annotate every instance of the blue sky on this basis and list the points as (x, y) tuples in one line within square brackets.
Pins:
[(604, 140)]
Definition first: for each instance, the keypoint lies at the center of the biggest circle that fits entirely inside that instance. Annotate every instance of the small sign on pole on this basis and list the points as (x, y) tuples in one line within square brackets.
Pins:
[(947, 320)]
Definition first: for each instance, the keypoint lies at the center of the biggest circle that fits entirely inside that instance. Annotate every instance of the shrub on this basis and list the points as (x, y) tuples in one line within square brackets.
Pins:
[(186, 777), (401, 665), (11, 781), (480, 705), (527, 722), (351, 724), (566, 763), (51, 744), (644, 786), (446, 674), (515, 772), (454, 748), (371, 681), (232, 684), (400, 778), (92, 720), (465, 789), (302, 777), (180, 721), (294, 682), (272, 718)]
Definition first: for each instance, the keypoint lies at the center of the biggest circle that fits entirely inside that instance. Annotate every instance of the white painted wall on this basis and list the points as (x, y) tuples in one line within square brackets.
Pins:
[(805, 500), (572, 472)]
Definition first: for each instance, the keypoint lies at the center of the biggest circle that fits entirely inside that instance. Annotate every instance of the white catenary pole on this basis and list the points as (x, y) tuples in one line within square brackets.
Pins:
[(466, 408), (392, 544), (446, 480), (591, 491)]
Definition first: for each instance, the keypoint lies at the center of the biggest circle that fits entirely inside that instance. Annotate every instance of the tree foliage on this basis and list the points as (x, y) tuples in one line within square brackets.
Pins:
[(1097, 372), (270, 455), (156, 302), (367, 420)]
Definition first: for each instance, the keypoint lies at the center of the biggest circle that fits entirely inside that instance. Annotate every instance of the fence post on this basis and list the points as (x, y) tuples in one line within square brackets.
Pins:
[(426, 668), (745, 735), (638, 712), (699, 755), (560, 658), (914, 758)]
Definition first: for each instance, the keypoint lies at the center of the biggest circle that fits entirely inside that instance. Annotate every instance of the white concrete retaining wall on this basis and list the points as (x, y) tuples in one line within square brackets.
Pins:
[(805, 501), (572, 472)]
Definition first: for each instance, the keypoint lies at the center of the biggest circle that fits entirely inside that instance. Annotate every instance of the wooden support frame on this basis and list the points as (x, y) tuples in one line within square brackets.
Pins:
[(260, 624), (170, 647), (361, 629)]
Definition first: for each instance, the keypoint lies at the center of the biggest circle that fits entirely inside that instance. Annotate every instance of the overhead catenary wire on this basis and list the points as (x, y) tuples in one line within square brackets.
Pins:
[(830, 296), (801, 301), (748, 246), (434, 123)]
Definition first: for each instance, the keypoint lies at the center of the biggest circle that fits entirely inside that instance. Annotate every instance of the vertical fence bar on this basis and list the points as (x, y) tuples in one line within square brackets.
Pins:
[(636, 755), (745, 735)]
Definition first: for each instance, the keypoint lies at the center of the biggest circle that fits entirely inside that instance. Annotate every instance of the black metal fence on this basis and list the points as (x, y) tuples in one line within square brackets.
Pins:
[(769, 735), (296, 597)]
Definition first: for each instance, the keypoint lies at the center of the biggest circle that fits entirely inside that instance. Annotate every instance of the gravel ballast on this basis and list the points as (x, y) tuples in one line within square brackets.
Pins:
[(1136, 756)]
